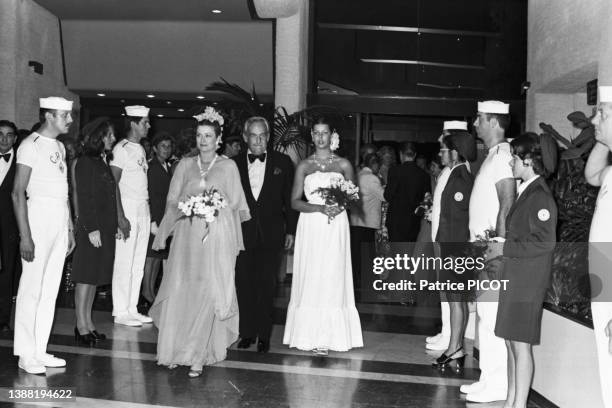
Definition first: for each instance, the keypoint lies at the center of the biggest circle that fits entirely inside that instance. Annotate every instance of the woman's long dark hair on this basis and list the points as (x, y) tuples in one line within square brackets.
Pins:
[(92, 136)]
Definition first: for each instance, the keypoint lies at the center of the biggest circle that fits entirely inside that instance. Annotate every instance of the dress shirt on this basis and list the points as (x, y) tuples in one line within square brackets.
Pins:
[(257, 171), (6, 165)]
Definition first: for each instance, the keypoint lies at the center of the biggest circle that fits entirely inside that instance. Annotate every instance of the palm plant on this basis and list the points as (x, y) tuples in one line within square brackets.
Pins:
[(290, 132)]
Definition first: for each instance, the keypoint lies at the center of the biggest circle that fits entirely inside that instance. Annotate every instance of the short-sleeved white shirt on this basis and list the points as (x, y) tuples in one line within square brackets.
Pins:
[(601, 224), (484, 203), (130, 157), (47, 159)]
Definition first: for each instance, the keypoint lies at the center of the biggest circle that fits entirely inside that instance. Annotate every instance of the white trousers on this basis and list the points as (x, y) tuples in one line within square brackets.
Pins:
[(40, 279), (130, 258), (602, 314), (493, 359)]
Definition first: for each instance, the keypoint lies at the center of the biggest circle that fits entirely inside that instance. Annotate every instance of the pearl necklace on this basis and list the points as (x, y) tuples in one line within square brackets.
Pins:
[(323, 163), (203, 172)]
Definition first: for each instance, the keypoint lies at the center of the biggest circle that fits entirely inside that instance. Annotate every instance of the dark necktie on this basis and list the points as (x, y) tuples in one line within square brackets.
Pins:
[(6, 157), (260, 157)]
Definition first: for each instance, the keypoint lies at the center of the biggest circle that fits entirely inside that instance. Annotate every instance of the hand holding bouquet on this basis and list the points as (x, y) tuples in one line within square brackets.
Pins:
[(205, 205), (340, 194), (424, 209)]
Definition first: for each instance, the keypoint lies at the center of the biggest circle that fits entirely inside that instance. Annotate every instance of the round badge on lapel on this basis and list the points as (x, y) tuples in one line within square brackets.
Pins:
[(458, 196), (543, 214)]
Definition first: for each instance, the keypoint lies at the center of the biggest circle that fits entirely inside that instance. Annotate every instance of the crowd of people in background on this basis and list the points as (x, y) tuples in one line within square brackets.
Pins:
[(117, 203)]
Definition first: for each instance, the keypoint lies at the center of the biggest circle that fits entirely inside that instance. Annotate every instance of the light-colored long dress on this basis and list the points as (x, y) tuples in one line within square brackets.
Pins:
[(322, 312), (196, 310)]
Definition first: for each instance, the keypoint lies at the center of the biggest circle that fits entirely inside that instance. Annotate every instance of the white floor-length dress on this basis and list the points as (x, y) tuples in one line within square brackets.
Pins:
[(322, 312)]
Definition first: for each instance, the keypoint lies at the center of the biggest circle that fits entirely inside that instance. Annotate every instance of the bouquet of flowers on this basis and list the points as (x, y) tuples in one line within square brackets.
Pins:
[(340, 193), (424, 209), (479, 249), (205, 205)]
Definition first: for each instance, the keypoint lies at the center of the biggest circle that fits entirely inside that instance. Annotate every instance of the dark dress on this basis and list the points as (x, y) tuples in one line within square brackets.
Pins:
[(96, 196), (528, 250), (159, 183), (453, 230)]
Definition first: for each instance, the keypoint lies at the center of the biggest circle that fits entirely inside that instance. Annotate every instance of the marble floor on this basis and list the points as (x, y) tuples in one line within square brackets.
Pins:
[(392, 370)]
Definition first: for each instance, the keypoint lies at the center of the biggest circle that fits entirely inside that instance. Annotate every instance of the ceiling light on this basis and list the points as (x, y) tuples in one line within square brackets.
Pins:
[(159, 115), (181, 110), (123, 114), (101, 94), (216, 11), (150, 96), (123, 101), (200, 97), (169, 102)]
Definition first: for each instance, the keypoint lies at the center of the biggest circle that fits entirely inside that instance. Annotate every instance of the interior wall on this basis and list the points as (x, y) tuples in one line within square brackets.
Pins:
[(28, 32), (172, 56), (568, 45)]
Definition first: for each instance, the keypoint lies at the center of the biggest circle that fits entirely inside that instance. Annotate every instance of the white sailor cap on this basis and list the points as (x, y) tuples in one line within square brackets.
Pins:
[(138, 111), (605, 94), (494, 107), (55, 102), (455, 125)]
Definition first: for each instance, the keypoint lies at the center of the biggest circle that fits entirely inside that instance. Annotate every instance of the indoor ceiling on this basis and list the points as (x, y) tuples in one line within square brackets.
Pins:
[(174, 10)]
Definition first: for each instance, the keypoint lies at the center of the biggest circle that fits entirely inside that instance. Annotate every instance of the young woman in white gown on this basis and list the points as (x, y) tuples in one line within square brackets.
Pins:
[(322, 315)]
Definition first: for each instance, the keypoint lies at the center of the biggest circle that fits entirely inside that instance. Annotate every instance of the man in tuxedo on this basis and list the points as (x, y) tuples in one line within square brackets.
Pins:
[(406, 188), (267, 178), (9, 234)]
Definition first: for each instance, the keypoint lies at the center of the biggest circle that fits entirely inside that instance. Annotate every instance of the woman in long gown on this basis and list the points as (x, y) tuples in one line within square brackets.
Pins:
[(196, 310), (322, 315)]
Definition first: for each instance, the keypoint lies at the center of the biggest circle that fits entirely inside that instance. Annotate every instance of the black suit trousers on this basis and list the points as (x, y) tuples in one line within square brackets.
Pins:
[(256, 271), (10, 268)]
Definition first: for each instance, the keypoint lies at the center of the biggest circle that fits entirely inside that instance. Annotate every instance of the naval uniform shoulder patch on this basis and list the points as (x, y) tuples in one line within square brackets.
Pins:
[(543, 214), (458, 196)]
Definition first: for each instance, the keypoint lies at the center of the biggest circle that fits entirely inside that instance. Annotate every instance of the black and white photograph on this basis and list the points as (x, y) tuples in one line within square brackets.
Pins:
[(306, 203)]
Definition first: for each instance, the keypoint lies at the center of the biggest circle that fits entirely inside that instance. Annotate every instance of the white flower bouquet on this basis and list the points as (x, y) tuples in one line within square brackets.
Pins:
[(340, 193), (205, 205)]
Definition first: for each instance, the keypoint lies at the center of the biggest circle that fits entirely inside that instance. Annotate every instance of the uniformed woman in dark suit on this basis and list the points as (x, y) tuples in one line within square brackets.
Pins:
[(452, 232), (92, 264), (528, 251)]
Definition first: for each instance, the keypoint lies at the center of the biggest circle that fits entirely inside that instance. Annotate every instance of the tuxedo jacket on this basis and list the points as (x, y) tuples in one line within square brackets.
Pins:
[(159, 183), (8, 222), (271, 214), (406, 188)]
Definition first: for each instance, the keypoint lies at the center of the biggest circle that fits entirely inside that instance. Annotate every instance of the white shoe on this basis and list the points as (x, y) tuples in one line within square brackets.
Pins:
[(433, 339), (49, 360), (440, 345), (31, 366), (486, 395), (141, 318), (127, 320), (472, 388)]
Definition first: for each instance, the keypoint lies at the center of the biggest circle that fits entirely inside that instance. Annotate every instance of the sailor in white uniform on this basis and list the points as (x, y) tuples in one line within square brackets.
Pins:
[(129, 167), (493, 194), (598, 172), (40, 198)]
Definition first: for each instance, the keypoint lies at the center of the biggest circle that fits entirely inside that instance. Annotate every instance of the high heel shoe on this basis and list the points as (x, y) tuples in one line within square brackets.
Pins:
[(97, 336), (444, 360), (83, 339), (195, 373)]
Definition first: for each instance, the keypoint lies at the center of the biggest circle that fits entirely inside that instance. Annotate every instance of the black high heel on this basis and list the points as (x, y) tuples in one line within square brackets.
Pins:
[(443, 361), (83, 339), (97, 336)]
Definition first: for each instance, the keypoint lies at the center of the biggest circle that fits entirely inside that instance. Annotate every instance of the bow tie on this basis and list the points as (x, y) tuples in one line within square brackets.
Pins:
[(260, 157), (6, 157)]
